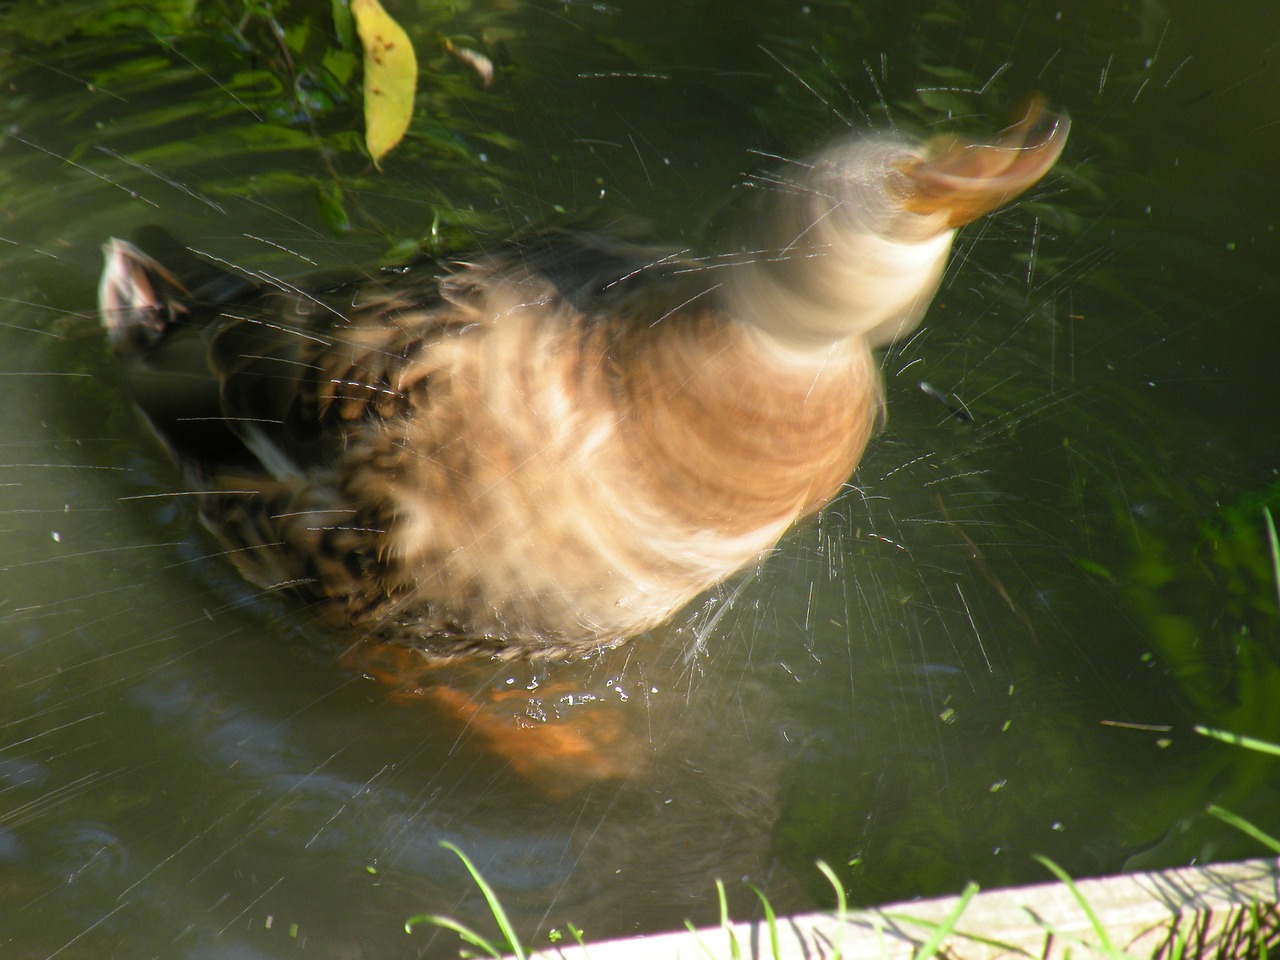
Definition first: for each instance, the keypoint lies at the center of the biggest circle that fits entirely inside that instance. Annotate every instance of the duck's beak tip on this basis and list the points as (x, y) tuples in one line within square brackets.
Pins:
[(965, 180)]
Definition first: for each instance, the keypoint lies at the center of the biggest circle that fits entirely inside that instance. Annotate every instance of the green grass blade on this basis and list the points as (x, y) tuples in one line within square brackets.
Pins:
[(1262, 746), (998, 947), (697, 938), (944, 929), (1275, 548), (735, 949), (1104, 942), (842, 902), (495, 908), (1245, 827), (770, 920), (462, 930)]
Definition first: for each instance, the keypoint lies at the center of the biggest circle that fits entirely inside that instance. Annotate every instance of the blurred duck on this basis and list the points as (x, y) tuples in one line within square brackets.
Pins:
[(551, 446)]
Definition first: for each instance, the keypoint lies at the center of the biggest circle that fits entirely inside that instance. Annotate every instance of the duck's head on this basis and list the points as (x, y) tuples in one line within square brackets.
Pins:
[(856, 242)]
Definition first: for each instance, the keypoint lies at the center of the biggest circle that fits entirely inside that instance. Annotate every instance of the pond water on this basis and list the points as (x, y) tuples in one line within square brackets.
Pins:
[(995, 644)]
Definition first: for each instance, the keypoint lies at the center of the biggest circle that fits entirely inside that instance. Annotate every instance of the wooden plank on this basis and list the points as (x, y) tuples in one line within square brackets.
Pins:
[(1143, 914)]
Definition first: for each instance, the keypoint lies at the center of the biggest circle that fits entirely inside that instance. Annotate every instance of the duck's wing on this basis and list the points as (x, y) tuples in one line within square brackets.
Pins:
[(242, 368), (297, 364)]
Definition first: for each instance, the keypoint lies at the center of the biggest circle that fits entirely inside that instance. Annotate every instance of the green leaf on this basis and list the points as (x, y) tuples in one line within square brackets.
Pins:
[(1093, 567), (340, 63), (295, 37), (332, 209), (344, 28)]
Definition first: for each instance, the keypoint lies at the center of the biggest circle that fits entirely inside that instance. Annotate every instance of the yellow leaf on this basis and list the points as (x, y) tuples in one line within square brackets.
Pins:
[(390, 77)]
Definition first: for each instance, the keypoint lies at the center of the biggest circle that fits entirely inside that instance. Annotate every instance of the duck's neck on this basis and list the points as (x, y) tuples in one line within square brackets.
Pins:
[(810, 300), (838, 255), (756, 410)]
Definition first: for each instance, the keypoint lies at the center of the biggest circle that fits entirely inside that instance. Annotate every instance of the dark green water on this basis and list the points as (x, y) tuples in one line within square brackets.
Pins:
[(995, 644)]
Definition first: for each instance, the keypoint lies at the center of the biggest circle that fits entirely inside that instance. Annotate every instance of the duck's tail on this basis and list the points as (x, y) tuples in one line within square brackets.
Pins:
[(153, 283), (156, 299)]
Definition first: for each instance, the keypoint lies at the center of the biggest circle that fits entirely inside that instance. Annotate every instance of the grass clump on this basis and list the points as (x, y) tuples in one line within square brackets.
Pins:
[(510, 940)]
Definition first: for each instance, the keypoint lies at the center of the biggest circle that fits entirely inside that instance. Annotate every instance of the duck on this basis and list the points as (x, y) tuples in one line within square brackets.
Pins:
[(551, 446)]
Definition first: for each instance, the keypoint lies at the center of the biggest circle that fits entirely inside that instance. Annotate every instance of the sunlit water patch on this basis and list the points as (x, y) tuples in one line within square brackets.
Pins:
[(1050, 565)]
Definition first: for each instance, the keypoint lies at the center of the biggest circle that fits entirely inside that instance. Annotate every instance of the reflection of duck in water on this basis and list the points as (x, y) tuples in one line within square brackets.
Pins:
[(553, 446)]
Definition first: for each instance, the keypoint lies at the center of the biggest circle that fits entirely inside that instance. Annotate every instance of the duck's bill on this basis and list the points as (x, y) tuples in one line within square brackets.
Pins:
[(966, 180)]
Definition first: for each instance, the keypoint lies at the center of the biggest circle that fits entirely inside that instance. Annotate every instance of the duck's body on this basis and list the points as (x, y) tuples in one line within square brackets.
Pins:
[(554, 446)]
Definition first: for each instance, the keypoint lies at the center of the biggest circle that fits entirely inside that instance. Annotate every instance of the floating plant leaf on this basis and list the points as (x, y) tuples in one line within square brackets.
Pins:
[(332, 207), (340, 63), (343, 26), (390, 77)]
